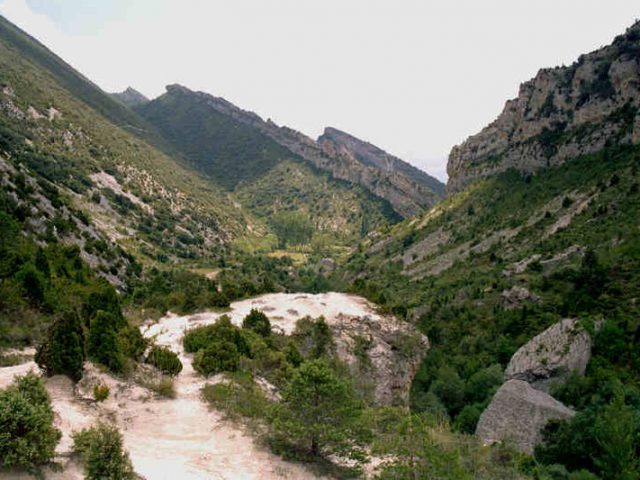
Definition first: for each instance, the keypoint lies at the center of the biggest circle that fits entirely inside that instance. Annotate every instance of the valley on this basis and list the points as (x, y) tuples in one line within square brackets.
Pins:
[(188, 290)]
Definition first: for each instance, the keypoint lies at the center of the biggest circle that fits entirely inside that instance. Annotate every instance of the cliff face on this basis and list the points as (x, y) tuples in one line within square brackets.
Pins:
[(404, 194), (562, 113), (372, 156)]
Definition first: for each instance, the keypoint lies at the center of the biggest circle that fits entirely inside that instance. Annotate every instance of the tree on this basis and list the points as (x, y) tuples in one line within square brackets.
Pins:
[(318, 412), (103, 345), (219, 356), (27, 435), (258, 322), (615, 430), (62, 351), (164, 360), (103, 454)]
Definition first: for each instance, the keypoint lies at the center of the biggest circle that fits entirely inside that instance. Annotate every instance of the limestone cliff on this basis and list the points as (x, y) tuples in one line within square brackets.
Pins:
[(562, 113)]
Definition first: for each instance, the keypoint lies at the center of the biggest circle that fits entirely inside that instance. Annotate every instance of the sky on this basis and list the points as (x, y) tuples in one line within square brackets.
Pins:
[(414, 77)]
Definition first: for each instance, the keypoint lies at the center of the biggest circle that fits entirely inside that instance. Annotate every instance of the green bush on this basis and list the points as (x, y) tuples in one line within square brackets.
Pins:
[(103, 454), (164, 360), (218, 356), (100, 392), (132, 342), (258, 322), (27, 435), (223, 330), (313, 337), (103, 345), (62, 351)]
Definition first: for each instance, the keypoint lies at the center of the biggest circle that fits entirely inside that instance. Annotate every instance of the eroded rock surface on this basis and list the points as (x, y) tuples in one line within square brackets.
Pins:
[(517, 414), (552, 355)]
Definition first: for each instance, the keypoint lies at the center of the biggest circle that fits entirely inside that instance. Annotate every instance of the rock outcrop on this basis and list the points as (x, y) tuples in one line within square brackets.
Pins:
[(551, 356), (372, 156), (517, 414), (130, 97), (404, 194), (517, 296), (562, 113), (383, 352)]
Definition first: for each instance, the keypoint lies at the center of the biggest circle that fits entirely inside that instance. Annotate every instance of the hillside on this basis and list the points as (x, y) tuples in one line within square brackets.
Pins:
[(370, 155), (492, 272), (252, 146), (266, 178), (562, 113), (71, 173)]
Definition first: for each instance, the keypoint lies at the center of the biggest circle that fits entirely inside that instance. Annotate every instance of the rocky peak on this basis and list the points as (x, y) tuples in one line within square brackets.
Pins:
[(405, 195), (562, 113), (130, 97), (372, 156)]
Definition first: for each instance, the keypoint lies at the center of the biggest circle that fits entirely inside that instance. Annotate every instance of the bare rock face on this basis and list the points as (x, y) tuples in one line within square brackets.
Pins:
[(517, 414), (562, 113), (130, 97), (552, 355), (517, 296), (382, 353)]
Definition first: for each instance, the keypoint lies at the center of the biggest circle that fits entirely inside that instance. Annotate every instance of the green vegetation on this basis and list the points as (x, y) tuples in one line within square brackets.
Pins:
[(100, 392), (103, 453), (164, 360), (27, 436), (258, 322), (473, 334), (318, 414), (62, 351)]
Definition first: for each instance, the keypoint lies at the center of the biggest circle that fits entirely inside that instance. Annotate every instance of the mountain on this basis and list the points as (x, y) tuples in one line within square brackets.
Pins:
[(266, 177), (560, 114), (81, 168), (372, 156), (259, 144), (494, 272), (130, 97)]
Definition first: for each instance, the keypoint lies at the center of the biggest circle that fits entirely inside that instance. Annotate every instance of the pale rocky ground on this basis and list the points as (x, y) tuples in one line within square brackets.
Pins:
[(182, 438)]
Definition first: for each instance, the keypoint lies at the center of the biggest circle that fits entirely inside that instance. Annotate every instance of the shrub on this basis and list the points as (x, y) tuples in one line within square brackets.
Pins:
[(219, 356), (165, 360), (223, 330), (62, 351), (132, 342), (103, 454), (27, 435), (313, 337), (100, 392), (258, 322), (103, 345)]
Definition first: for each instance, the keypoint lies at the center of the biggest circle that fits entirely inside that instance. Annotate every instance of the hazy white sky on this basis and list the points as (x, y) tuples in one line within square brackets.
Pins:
[(414, 77)]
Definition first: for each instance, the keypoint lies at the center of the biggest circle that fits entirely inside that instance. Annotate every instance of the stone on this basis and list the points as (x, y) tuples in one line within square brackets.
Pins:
[(517, 414), (517, 296), (551, 356)]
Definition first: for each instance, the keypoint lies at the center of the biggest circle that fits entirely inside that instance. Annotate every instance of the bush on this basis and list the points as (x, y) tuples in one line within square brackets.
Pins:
[(100, 392), (223, 330), (313, 337), (258, 322), (103, 345), (103, 454), (27, 435), (132, 342), (165, 360), (62, 351), (219, 356)]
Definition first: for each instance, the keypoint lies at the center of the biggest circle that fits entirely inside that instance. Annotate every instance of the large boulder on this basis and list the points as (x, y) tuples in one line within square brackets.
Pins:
[(551, 356), (517, 414), (382, 353)]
